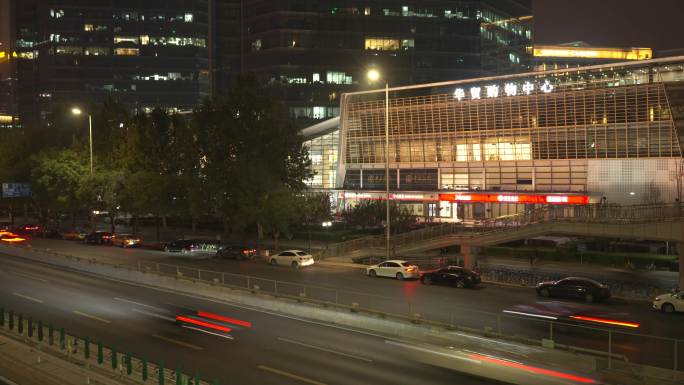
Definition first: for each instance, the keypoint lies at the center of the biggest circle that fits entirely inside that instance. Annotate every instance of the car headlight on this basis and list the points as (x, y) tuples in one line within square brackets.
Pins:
[(657, 299)]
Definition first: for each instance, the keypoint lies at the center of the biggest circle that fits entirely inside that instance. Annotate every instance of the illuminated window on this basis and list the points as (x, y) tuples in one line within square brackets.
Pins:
[(96, 51), (126, 39), (188, 18), (382, 44), (144, 39), (126, 52), (367, 11), (56, 13), (256, 45), (68, 50), (88, 27), (319, 112), (405, 11), (316, 77), (335, 77), (408, 44)]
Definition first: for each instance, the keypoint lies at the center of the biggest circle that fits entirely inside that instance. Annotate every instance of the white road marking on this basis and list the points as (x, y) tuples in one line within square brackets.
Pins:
[(27, 297), (93, 317), (30, 276), (149, 313), (421, 349), (530, 314), (175, 341), (324, 349), (208, 332), (138, 303), (290, 375)]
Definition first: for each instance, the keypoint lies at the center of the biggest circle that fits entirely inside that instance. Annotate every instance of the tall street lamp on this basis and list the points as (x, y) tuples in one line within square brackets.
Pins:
[(374, 76), (77, 111)]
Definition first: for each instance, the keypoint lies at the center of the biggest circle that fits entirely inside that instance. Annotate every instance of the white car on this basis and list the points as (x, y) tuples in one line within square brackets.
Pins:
[(669, 303), (294, 258), (394, 268)]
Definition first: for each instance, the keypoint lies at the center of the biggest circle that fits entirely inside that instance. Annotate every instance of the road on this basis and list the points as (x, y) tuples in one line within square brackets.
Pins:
[(271, 349), (478, 308)]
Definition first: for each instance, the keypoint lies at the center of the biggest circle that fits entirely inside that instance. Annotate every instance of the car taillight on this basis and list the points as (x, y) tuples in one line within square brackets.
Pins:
[(410, 269)]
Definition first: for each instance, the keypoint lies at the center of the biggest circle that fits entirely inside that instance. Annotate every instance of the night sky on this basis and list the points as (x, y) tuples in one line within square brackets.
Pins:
[(657, 24)]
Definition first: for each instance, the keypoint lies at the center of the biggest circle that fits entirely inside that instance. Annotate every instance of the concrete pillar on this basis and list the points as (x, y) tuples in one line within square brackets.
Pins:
[(680, 251), (469, 256)]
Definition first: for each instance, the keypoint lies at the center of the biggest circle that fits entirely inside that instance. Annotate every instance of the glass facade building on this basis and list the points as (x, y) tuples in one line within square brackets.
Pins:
[(312, 51), (492, 146), (145, 53)]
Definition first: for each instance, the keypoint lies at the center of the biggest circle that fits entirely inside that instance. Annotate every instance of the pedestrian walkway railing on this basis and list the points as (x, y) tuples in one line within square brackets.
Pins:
[(115, 362), (594, 213)]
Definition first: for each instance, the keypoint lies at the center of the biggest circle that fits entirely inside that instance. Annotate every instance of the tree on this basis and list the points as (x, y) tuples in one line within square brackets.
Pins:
[(371, 213), (251, 159), (57, 177)]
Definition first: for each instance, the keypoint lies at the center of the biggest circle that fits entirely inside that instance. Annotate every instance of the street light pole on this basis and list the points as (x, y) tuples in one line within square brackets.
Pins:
[(90, 134), (387, 179)]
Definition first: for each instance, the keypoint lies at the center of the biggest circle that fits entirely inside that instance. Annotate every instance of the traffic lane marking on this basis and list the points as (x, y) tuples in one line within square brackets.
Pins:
[(93, 317), (324, 349), (290, 375), (29, 276), (26, 297), (177, 342)]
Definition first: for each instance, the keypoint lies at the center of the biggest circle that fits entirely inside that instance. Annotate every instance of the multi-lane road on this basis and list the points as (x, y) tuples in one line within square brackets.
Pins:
[(261, 348), (488, 306)]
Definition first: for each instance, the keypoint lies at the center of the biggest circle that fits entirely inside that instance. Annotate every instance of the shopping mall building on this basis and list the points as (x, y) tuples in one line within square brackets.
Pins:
[(487, 147)]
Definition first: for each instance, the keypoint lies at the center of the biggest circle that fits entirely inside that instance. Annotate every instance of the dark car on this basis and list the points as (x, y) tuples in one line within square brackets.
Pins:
[(452, 276), (236, 252), (99, 238), (574, 287)]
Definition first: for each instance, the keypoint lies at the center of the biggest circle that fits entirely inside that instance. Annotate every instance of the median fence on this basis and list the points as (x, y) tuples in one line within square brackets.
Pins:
[(614, 346), (92, 354)]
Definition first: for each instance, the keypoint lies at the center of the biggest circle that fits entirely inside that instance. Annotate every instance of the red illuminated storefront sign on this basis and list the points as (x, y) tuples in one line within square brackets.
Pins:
[(509, 198)]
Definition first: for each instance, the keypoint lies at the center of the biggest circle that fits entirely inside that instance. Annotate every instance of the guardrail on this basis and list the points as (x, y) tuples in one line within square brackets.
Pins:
[(610, 343), (93, 355), (615, 346), (594, 213)]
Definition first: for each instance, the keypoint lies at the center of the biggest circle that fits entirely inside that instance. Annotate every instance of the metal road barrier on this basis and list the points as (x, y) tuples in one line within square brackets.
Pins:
[(594, 213), (93, 355), (613, 344)]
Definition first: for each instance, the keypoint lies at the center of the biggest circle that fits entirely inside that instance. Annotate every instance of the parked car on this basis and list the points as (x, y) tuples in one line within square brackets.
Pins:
[(199, 247), (669, 303), (125, 240), (236, 252), (294, 258), (452, 276), (394, 268), (74, 235), (99, 238), (574, 287)]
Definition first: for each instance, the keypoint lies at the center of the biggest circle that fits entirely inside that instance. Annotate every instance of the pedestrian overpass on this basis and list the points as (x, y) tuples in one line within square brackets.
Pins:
[(664, 222)]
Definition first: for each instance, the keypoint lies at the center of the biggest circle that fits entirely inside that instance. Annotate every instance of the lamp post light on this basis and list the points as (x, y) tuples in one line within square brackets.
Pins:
[(373, 76), (77, 111)]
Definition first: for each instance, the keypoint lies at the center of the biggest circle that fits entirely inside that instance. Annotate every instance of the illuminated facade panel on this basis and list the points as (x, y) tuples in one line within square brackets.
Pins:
[(593, 53)]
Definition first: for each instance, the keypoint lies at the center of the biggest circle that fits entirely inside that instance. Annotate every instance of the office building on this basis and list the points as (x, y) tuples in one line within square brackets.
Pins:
[(147, 54), (310, 52)]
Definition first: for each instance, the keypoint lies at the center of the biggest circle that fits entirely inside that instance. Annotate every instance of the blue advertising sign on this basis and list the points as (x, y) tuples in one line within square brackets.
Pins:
[(16, 190)]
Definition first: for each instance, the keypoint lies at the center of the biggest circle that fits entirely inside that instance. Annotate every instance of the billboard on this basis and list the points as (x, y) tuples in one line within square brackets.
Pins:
[(16, 190)]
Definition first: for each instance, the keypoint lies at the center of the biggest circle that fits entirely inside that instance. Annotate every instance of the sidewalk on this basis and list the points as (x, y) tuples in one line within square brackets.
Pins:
[(25, 365)]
